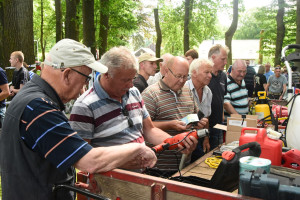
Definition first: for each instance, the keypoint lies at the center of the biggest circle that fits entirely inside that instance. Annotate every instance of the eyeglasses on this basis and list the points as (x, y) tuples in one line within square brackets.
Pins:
[(179, 76), (129, 120), (88, 78)]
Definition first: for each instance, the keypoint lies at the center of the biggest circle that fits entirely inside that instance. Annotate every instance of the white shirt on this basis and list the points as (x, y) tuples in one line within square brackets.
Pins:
[(205, 105), (154, 79)]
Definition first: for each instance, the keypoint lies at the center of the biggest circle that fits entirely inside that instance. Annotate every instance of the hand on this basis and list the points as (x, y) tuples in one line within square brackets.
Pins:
[(206, 145), (146, 158), (178, 125), (202, 123), (190, 144), (11, 93), (280, 98)]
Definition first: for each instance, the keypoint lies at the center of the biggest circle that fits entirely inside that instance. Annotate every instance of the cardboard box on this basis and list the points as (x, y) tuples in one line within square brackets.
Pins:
[(235, 123)]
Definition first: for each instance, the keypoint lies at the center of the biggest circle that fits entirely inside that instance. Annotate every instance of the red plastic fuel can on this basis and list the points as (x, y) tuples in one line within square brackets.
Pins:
[(270, 148)]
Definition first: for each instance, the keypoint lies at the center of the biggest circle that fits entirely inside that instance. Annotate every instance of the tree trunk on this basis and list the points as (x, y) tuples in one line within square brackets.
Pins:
[(260, 57), (158, 33), (88, 25), (42, 32), (280, 32), (186, 34), (71, 20), (298, 30), (18, 29), (230, 32), (104, 26), (1, 36), (58, 15)]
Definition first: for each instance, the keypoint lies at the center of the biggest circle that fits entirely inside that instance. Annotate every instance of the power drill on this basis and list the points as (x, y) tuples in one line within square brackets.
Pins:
[(173, 142)]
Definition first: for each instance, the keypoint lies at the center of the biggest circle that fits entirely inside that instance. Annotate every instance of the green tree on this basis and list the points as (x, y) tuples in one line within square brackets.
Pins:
[(122, 22), (44, 26), (202, 24)]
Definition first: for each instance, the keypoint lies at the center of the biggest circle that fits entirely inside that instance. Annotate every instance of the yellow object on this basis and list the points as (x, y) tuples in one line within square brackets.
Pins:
[(213, 162), (262, 108)]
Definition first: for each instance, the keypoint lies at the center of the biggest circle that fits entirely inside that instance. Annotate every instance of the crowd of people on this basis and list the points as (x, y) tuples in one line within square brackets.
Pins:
[(113, 124)]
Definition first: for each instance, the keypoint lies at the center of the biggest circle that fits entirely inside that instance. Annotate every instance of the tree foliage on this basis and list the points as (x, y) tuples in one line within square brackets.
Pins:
[(202, 24)]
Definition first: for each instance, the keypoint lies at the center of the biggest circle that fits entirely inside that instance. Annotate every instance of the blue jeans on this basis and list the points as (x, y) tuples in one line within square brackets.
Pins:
[(2, 114), (215, 137)]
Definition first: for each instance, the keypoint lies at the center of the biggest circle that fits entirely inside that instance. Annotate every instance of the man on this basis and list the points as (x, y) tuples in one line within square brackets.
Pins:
[(147, 68), (269, 72), (170, 100), (249, 78), (276, 86), (190, 55), (200, 71), (112, 112), (236, 99), (218, 84), (20, 75), (38, 146), (4, 93), (162, 71)]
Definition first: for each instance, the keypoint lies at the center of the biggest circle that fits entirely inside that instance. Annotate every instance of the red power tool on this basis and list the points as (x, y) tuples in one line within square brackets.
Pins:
[(291, 159), (173, 142)]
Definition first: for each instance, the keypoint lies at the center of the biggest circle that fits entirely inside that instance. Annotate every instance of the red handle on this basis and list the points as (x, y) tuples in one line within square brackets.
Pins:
[(261, 132)]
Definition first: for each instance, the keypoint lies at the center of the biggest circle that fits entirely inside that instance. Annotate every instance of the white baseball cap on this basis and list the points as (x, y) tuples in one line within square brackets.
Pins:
[(70, 53)]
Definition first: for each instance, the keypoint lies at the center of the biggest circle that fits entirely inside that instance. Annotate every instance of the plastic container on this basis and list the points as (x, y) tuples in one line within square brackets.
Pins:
[(262, 108), (270, 149), (293, 127), (250, 163)]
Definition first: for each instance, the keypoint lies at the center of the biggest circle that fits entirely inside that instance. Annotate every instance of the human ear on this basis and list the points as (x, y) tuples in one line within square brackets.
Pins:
[(66, 75)]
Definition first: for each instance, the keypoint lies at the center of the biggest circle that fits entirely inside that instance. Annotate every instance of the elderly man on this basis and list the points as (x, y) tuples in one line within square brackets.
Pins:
[(37, 145), (236, 99), (147, 68), (218, 55), (268, 72), (112, 112), (200, 71), (170, 100), (276, 85), (162, 71)]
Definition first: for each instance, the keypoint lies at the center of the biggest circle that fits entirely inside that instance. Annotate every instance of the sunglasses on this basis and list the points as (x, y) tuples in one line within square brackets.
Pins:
[(129, 120)]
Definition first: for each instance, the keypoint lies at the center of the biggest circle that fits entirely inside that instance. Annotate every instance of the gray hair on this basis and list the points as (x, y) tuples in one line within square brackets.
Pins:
[(119, 57), (238, 63), (216, 49), (197, 63)]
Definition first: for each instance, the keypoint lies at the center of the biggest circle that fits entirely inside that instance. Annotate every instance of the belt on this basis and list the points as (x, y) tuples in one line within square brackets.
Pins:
[(274, 93)]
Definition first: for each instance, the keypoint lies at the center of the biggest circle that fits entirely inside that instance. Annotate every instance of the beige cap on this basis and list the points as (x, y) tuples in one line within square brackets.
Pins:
[(148, 57), (70, 53)]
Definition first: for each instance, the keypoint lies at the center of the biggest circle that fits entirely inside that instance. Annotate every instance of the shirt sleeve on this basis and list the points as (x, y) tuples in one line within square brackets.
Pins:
[(46, 130), (82, 120), (3, 77)]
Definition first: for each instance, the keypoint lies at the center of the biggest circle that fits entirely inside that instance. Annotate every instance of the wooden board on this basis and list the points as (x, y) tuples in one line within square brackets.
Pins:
[(127, 185)]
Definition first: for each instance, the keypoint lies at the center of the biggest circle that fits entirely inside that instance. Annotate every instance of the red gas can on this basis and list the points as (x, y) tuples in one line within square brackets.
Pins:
[(270, 148)]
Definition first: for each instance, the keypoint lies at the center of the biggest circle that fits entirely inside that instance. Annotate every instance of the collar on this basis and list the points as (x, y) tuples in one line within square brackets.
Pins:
[(143, 79), (192, 87), (49, 91), (165, 87), (240, 85)]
